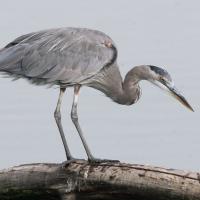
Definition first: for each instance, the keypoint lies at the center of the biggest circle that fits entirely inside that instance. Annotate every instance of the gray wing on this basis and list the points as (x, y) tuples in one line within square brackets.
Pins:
[(69, 55)]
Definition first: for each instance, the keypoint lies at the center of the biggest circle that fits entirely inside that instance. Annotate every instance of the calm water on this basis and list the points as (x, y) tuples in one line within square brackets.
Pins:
[(157, 130)]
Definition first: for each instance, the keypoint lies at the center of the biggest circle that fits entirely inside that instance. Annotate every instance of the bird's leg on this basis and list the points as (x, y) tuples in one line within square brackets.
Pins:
[(74, 117), (57, 116)]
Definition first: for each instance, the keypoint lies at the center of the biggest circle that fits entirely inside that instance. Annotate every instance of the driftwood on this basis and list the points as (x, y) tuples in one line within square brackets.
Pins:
[(81, 180)]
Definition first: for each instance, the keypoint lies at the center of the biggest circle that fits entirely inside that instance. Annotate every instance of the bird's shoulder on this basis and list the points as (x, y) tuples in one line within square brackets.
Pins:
[(68, 54), (63, 35)]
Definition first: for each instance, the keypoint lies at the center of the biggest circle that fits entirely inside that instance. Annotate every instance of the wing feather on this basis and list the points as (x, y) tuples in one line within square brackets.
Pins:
[(69, 55)]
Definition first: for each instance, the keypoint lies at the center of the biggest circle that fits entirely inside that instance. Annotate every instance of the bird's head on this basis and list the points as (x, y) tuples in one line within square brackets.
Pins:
[(163, 80)]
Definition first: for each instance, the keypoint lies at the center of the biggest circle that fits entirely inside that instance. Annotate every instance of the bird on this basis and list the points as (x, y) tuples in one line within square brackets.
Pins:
[(76, 57)]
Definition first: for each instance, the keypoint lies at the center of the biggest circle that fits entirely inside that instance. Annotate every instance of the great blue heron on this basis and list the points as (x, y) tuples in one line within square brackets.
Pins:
[(75, 57)]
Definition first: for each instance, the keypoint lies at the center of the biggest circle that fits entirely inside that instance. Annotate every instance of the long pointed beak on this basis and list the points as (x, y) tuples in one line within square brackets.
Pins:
[(176, 94)]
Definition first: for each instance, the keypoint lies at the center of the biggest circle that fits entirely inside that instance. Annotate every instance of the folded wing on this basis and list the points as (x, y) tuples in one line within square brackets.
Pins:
[(69, 55)]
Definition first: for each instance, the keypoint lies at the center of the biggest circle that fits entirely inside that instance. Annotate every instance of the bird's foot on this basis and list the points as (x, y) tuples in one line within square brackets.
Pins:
[(90, 160), (72, 160), (97, 161)]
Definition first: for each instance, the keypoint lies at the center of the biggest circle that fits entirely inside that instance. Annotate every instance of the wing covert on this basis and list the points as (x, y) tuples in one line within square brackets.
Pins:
[(69, 55)]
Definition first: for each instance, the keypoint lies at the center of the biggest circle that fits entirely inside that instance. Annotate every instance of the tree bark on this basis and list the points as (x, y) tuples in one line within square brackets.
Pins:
[(80, 180)]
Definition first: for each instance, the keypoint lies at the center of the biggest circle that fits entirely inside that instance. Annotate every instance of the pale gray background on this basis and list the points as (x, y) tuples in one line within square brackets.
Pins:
[(157, 130)]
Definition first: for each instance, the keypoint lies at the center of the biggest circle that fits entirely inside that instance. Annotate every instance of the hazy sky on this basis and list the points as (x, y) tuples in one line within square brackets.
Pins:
[(157, 130)]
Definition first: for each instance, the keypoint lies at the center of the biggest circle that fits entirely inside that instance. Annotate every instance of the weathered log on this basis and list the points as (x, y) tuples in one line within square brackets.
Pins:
[(80, 180)]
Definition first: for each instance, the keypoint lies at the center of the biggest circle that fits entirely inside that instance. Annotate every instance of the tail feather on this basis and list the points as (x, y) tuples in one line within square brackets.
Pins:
[(10, 59)]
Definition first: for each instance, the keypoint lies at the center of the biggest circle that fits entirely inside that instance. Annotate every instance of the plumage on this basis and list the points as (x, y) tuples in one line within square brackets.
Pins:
[(66, 56), (73, 57)]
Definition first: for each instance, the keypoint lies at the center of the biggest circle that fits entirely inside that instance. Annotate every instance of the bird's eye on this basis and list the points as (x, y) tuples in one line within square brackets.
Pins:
[(162, 80)]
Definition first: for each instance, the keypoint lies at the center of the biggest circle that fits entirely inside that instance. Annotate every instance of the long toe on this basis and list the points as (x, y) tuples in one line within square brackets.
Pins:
[(97, 160)]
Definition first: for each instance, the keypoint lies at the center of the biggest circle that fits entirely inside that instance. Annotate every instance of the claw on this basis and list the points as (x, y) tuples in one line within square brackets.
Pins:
[(97, 161)]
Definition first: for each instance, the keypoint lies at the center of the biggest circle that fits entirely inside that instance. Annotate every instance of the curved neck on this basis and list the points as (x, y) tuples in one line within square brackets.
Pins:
[(130, 88), (110, 82)]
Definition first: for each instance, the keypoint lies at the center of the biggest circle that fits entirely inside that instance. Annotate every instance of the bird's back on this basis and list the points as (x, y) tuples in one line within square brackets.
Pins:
[(63, 56)]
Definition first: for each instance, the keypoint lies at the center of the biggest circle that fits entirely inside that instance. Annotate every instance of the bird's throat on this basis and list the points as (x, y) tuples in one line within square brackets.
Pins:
[(130, 95)]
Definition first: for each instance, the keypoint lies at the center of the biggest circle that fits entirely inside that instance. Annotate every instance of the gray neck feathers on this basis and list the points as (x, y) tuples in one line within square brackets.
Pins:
[(109, 81)]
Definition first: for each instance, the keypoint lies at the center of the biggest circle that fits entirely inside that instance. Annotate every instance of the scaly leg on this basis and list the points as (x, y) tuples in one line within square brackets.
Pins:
[(57, 116), (74, 117)]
